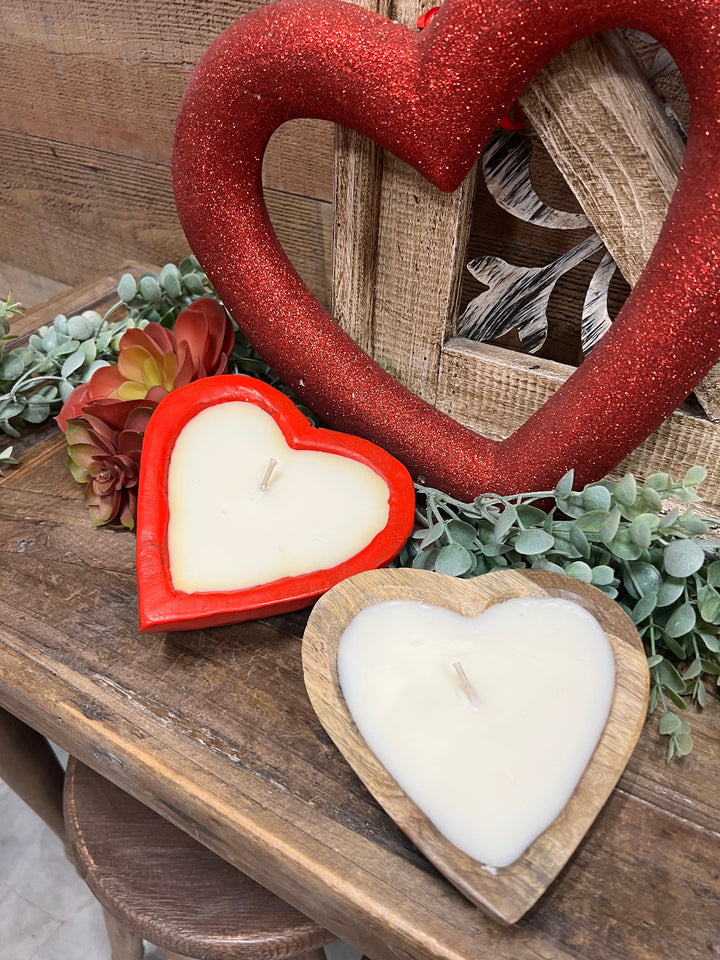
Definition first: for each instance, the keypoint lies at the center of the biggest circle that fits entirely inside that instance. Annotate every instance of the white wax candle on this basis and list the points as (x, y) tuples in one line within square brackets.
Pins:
[(493, 775), (235, 523)]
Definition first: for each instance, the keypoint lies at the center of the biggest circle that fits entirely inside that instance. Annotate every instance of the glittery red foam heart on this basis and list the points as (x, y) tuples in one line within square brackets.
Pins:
[(433, 98)]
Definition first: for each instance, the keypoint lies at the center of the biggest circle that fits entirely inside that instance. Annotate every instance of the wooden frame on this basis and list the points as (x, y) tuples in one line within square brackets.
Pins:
[(619, 153)]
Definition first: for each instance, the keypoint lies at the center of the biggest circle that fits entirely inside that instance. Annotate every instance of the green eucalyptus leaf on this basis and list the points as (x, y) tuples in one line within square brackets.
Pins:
[(533, 541), (660, 482), (669, 723), (11, 408), (7, 427), (670, 590), (72, 363), (640, 532), (710, 640), (572, 505), (708, 602), (89, 350), (682, 558), (669, 678), (643, 608), (683, 744), (192, 282), (35, 412), (602, 575), (80, 327), (591, 523), (650, 498), (654, 660), (579, 570), (596, 497), (623, 547), (564, 485), (425, 560), (713, 573), (610, 527), (580, 541), (149, 289), (645, 577), (454, 560), (626, 490), (127, 288), (529, 516), (681, 621), (540, 563), (505, 522), (693, 671), (11, 366), (694, 476), (460, 532)]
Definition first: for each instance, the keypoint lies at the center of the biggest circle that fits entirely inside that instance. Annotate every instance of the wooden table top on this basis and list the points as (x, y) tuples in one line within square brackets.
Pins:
[(214, 730)]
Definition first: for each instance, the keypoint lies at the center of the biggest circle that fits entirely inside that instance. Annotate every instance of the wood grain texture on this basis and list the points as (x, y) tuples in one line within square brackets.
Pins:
[(168, 888), (213, 729), (399, 251), (509, 894), (495, 391), (29, 766), (613, 143), (617, 149)]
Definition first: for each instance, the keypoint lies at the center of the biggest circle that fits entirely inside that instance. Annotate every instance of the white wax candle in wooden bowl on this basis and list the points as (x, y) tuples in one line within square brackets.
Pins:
[(490, 717)]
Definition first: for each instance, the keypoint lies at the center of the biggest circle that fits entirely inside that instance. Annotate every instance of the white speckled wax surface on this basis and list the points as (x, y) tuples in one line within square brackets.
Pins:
[(491, 777), (226, 533)]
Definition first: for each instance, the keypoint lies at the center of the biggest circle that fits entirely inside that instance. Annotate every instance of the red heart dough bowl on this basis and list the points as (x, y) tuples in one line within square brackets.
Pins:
[(433, 98), (161, 606)]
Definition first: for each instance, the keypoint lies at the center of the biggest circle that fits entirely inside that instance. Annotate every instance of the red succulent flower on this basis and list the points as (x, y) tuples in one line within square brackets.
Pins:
[(104, 420), (159, 359), (106, 458)]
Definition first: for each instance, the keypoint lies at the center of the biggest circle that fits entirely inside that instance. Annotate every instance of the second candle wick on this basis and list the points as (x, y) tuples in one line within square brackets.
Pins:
[(468, 688), (272, 463)]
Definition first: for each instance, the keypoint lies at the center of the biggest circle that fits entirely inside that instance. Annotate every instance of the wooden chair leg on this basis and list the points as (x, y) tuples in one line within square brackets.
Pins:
[(124, 944), (28, 765)]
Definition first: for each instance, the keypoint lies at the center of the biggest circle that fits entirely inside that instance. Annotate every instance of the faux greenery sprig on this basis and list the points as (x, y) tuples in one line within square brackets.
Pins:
[(615, 535), (35, 380)]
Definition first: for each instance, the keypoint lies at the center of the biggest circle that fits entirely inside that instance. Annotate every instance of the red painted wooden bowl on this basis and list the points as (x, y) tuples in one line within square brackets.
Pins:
[(214, 547)]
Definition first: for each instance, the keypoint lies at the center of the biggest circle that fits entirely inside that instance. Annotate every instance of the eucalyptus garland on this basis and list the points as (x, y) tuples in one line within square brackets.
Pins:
[(657, 563)]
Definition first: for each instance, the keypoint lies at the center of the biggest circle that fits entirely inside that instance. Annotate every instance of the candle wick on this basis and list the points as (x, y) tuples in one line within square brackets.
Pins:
[(467, 687), (272, 463)]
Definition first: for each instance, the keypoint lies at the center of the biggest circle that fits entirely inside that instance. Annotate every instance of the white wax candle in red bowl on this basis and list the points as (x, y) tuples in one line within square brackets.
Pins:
[(246, 510)]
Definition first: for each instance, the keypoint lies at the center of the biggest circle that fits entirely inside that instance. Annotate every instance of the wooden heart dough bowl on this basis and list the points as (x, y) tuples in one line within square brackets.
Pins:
[(507, 894)]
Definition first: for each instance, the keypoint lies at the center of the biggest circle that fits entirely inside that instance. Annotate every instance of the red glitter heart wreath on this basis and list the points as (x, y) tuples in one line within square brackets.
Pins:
[(433, 98)]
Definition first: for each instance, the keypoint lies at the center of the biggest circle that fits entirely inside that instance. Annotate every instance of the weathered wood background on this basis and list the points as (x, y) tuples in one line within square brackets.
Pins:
[(89, 95)]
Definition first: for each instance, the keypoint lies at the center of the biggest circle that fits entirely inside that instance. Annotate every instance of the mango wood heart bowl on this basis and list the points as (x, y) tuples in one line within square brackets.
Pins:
[(507, 892)]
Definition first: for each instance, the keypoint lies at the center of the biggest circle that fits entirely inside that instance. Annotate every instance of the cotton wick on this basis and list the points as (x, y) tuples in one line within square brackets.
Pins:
[(467, 687), (272, 463)]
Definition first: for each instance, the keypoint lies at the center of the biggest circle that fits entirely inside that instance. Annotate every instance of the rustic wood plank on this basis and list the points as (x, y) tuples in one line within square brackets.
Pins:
[(28, 288), (495, 391), (608, 135), (214, 730), (29, 766), (93, 209), (392, 291), (618, 150)]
